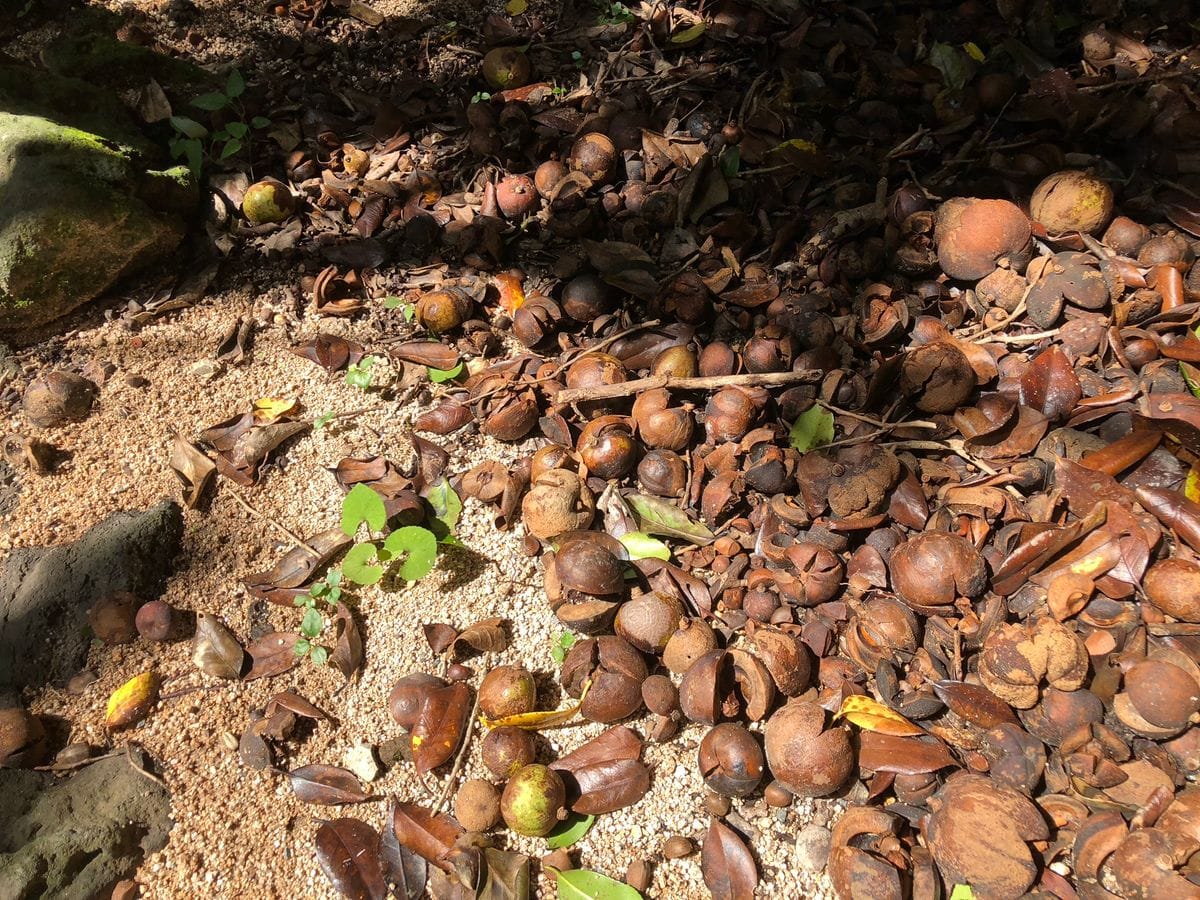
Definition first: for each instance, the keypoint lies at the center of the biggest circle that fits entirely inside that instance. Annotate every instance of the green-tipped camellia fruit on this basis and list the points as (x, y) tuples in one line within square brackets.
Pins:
[(268, 201), (505, 68), (532, 800)]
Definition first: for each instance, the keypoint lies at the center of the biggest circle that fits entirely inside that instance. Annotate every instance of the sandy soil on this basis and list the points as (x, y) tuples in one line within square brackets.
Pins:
[(240, 833)]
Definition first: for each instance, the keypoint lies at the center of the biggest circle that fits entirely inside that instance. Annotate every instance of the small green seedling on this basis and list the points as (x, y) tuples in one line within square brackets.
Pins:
[(322, 420), (193, 142), (327, 591), (359, 374), (559, 648)]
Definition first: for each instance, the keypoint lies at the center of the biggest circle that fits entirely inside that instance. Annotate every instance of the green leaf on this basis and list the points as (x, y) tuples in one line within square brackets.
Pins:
[(688, 34), (359, 374), (335, 594), (238, 129), (333, 577), (211, 101), (446, 506), (580, 884), (437, 376), (322, 420), (188, 127), (956, 67), (641, 546), (312, 624), (193, 151), (260, 122), (356, 565), (319, 655), (392, 302), (559, 648), (812, 428), (301, 647), (232, 146), (362, 504), (318, 588), (962, 892), (235, 85), (664, 518), (419, 547), (570, 831), (731, 162)]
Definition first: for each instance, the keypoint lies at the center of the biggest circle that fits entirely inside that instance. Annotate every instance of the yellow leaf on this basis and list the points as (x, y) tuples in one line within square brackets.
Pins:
[(688, 34), (515, 7), (539, 719), (132, 701), (269, 409), (1191, 487), (974, 52), (872, 716), (798, 144)]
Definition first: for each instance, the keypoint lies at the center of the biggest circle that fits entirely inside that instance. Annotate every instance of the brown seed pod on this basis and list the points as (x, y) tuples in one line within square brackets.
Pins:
[(517, 196), (594, 155), (1059, 713), (506, 749), (537, 320), (679, 361), (717, 359), (660, 695), (585, 297), (596, 370), (660, 425), (663, 472), (512, 417), (729, 414), (935, 567), (407, 695), (505, 68), (937, 376), (1173, 585), (973, 235), (691, 640), (1072, 201), (607, 447), (57, 398), (154, 620), (804, 757), (1018, 658), (477, 805), (22, 739), (1163, 694), (677, 847), (552, 456), (444, 310), (557, 502), (112, 618), (648, 621), (616, 671), (1125, 236), (731, 760), (587, 566), (547, 176), (883, 629), (1171, 249), (507, 691)]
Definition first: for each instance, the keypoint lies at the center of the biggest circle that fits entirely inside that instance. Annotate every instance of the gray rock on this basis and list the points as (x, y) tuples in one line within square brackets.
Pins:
[(45, 593), (80, 205), (74, 838), (813, 844)]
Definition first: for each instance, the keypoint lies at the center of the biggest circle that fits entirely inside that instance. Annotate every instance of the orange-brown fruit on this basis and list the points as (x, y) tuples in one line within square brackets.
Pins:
[(594, 155), (972, 235), (1072, 201), (549, 174), (517, 196)]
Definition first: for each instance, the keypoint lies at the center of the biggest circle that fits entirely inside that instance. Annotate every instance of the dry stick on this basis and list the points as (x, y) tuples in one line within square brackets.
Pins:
[(701, 383), (295, 538), (138, 768)]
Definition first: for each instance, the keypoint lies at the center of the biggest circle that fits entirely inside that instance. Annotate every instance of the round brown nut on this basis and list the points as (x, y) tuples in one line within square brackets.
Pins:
[(1072, 201), (477, 805), (506, 749), (507, 691), (677, 847), (805, 757)]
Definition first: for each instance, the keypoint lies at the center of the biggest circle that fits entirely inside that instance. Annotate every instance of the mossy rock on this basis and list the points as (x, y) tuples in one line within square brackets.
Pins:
[(81, 202)]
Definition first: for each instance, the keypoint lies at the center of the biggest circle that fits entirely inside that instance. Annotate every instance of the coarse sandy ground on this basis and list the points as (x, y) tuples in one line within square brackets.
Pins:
[(240, 833)]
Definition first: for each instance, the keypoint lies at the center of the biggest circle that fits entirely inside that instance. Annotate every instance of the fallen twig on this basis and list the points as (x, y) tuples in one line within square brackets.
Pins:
[(700, 383), (295, 538)]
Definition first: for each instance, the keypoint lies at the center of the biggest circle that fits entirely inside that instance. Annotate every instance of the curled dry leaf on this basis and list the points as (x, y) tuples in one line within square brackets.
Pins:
[(272, 654), (326, 785), (294, 703), (430, 835), (282, 582), (871, 715), (725, 861), (440, 726), (329, 351), (194, 469), (347, 656), (348, 851), (486, 636), (406, 871), (215, 651)]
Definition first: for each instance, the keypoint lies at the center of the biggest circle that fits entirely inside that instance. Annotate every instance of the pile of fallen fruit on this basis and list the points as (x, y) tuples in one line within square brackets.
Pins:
[(878, 477)]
